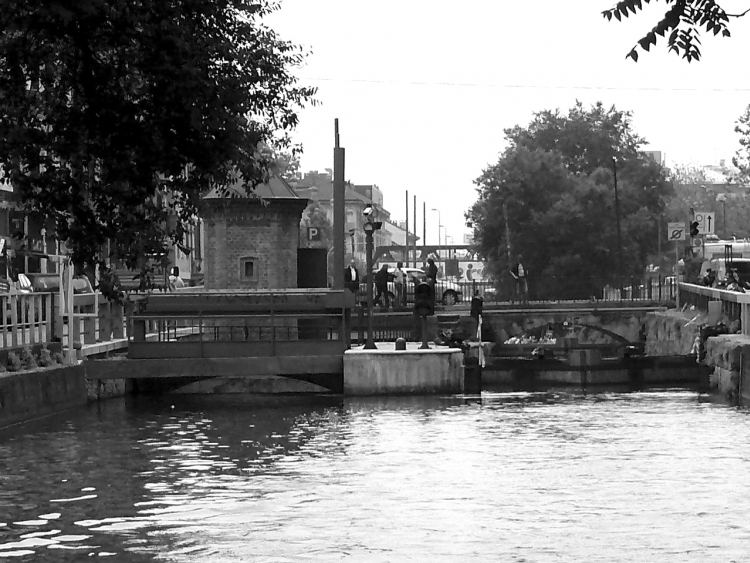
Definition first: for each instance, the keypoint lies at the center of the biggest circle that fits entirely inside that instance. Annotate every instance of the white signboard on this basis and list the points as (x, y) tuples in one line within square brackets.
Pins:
[(706, 222), (676, 231)]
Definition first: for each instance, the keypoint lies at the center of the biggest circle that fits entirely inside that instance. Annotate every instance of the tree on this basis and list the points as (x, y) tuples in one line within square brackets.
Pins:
[(693, 191), (741, 159), (556, 182), (683, 21), (116, 116), (315, 216)]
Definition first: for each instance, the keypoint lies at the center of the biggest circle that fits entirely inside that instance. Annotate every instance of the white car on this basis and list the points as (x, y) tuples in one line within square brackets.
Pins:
[(448, 292)]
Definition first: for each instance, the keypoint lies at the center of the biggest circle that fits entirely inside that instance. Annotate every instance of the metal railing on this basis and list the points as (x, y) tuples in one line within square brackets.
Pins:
[(386, 328), (651, 289), (244, 335)]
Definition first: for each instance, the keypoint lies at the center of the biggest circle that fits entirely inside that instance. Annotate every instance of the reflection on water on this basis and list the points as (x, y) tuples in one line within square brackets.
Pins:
[(550, 476)]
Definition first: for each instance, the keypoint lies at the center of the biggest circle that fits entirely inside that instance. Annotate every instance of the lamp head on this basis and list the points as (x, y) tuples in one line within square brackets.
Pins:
[(368, 210)]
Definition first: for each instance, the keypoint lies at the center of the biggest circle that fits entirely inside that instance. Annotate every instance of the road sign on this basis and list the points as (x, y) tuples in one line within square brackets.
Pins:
[(706, 222), (313, 233), (676, 231)]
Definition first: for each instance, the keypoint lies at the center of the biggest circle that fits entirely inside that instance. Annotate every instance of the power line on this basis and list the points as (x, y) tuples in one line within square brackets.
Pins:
[(524, 86)]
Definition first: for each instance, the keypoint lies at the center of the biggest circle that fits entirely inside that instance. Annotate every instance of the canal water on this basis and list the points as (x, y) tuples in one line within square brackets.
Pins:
[(555, 476)]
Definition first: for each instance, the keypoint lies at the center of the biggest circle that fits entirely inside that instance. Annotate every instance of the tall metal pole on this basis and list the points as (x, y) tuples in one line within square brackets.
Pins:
[(424, 224), (440, 224), (619, 233), (408, 247), (339, 212), (415, 231), (369, 343), (507, 235)]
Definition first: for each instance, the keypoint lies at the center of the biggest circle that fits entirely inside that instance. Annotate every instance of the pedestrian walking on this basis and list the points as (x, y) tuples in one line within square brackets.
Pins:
[(381, 286), (400, 285)]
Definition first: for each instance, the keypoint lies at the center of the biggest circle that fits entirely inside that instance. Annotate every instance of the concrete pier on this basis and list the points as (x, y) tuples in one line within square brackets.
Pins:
[(386, 371)]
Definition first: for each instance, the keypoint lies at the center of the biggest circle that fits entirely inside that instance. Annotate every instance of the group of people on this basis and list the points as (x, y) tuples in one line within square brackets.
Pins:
[(731, 283), (382, 277)]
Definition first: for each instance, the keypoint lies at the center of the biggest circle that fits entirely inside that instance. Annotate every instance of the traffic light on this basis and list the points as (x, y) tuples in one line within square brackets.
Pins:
[(424, 304), (694, 229)]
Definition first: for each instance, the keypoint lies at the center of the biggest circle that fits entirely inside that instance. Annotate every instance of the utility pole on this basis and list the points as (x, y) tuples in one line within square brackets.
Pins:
[(408, 247), (415, 231), (424, 224), (619, 234), (507, 235), (339, 212)]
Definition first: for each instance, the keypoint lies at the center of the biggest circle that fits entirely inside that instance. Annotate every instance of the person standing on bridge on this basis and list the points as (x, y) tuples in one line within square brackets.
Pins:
[(351, 277), (520, 275), (400, 285)]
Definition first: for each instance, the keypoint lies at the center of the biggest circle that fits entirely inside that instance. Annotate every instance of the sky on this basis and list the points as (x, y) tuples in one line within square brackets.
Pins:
[(423, 89)]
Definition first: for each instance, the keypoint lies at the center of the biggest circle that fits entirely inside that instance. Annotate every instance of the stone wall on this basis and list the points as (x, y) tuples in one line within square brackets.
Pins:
[(390, 372), (599, 327), (729, 357), (240, 230), (670, 333), (29, 395)]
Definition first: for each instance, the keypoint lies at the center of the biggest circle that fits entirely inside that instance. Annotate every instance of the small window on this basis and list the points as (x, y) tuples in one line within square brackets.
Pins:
[(249, 268)]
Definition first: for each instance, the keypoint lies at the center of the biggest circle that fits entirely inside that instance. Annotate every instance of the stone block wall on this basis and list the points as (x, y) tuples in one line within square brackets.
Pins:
[(729, 357), (590, 328), (28, 395), (268, 235), (670, 333)]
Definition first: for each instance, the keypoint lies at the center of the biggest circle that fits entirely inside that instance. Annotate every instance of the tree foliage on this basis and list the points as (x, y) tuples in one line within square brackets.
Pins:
[(315, 216), (681, 24), (741, 159), (116, 115), (694, 191), (556, 183)]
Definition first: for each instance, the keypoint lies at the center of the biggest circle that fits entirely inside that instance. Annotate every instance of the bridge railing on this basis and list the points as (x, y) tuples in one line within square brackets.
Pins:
[(734, 305), (656, 288), (231, 336), (237, 324)]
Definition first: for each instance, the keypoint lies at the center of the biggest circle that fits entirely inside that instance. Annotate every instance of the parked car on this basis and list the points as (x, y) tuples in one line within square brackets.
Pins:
[(448, 292)]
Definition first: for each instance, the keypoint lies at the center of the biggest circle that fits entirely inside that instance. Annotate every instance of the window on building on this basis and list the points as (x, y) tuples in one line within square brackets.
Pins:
[(249, 268)]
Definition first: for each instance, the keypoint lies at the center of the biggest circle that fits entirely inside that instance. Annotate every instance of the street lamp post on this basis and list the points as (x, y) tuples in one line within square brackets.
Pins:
[(619, 234), (370, 227)]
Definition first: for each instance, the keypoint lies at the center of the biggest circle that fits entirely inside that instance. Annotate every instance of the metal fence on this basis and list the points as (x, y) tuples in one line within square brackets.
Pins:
[(661, 288)]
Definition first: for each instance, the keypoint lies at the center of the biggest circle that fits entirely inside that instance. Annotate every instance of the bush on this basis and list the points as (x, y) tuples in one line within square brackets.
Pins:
[(28, 360), (45, 357), (14, 362)]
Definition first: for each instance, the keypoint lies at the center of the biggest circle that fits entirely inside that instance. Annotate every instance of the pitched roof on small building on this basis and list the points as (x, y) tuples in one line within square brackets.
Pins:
[(275, 188)]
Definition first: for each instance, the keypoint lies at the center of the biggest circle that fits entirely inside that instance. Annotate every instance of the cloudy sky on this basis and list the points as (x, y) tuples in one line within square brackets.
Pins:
[(423, 89)]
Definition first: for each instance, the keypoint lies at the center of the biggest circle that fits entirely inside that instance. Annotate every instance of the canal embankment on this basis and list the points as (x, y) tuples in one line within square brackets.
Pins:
[(691, 333)]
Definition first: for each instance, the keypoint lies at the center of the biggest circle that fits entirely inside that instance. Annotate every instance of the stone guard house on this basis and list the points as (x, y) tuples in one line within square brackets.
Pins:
[(251, 242)]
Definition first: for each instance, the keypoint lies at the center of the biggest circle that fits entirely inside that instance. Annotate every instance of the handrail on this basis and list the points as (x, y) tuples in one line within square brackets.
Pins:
[(722, 294)]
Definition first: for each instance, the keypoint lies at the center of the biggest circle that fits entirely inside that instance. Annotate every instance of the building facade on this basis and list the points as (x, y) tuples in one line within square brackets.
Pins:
[(251, 243)]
